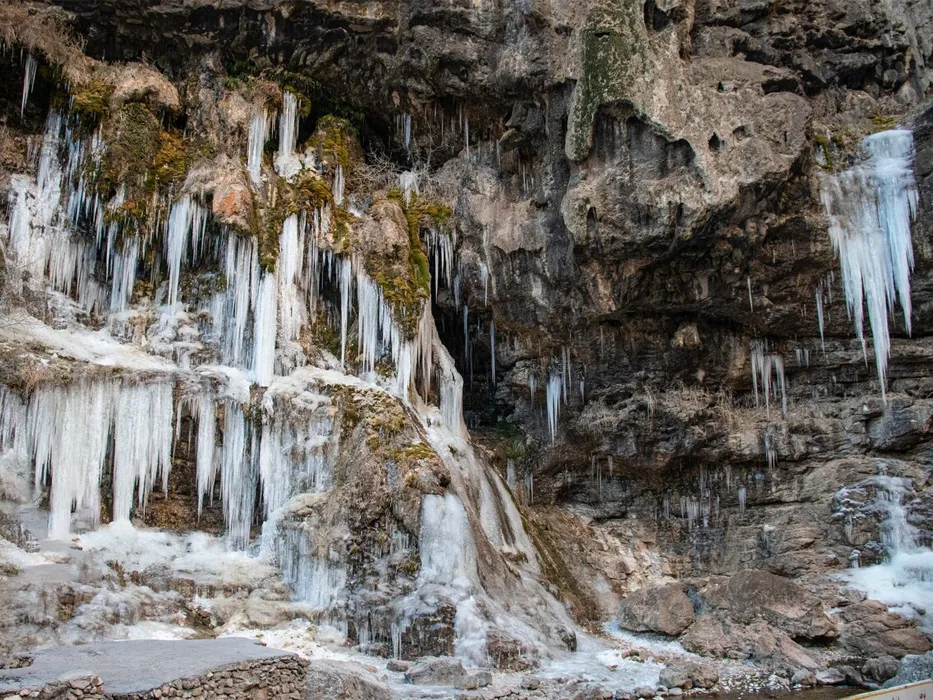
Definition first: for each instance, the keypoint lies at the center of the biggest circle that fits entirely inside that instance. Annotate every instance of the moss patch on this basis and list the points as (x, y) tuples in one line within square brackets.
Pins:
[(614, 44), (406, 292)]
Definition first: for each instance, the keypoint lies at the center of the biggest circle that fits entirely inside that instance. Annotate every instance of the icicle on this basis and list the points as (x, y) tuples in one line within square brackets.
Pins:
[(741, 496), (142, 443), (258, 131), (286, 163), (406, 131), (264, 332), (70, 429), (565, 377), (484, 275), (345, 283), (553, 403), (207, 436), (492, 348), (870, 209), (29, 79), (466, 135), (408, 183), (819, 315), (751, 304), (237, 476), (187, 223), (532, 386), (339, 185), (765, 364), (289, 274)]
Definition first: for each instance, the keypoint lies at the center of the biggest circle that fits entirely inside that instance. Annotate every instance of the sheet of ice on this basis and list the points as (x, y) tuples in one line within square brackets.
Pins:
[(904, 584)]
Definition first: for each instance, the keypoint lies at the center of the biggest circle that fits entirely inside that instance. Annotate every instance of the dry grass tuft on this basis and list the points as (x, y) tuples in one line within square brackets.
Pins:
[(41, 29)]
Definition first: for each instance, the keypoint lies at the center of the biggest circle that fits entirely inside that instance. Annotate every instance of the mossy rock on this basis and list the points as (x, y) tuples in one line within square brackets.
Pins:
[(336, 142), (615, 43), (91, 101)]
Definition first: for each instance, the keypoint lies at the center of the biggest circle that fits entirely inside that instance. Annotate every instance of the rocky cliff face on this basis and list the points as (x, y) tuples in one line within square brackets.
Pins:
[(625, 221)]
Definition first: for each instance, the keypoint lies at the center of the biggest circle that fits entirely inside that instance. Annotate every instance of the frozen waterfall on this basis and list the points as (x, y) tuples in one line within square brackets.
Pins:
[(870, 208)]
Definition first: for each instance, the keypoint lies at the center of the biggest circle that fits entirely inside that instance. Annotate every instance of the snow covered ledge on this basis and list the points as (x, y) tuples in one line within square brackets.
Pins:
[(214, 668)]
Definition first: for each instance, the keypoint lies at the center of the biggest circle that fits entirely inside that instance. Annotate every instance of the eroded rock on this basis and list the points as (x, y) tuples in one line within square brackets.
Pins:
[(664, 609)]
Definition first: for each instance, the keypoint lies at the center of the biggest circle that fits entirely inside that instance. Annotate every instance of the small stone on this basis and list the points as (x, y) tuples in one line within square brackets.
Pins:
[(803, 677), (674, 692), (531, 683), (645, 691), (831, 676), (397, 666)]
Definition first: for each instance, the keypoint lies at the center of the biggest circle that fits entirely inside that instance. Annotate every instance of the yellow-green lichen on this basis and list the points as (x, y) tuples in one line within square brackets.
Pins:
[(91, 101), (614, 46)]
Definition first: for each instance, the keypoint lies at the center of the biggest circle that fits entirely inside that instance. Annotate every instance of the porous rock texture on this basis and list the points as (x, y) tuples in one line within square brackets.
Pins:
[(637, 197)]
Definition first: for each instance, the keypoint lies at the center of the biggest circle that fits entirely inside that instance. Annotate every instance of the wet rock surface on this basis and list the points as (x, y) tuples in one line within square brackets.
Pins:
[(639, 226)]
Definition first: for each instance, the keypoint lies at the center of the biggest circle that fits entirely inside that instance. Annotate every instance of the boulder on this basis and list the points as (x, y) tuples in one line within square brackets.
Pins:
[(335, 680), (688, 675), (752, 595), (913, 668), (718, 637), (870, 630), (475, 681), (664, 609), (881, 668), (437, 671), (803, 678)]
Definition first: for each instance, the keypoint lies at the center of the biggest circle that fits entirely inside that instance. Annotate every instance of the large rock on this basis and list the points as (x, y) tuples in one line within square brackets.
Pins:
[(871, 630), (333, 680), (753, 595), (759, 642), (664, 609), (688, 675), (913, 668), (439, 671)]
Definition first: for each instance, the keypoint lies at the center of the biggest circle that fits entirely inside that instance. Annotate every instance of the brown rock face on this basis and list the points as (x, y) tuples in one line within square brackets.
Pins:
[(873, 631), (759, 642), (753, 595), (664, 609)]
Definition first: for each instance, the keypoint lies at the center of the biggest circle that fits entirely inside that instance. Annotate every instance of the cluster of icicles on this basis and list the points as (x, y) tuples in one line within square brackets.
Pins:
[(243, 328), (870, 209)]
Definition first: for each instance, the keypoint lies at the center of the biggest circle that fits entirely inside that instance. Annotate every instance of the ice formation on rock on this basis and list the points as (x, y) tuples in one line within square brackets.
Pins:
[(870, 208)]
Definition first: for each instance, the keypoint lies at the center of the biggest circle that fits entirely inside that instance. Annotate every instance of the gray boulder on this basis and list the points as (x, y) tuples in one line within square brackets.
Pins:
[(913, 668), (335, 680), (664, 609), (437, 671)]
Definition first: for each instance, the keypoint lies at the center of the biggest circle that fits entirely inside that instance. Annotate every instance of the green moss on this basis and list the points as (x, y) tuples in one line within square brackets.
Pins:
[(883, 123), (414, 453), (408, 292), (91, 101), (336, 138), (614, 47)]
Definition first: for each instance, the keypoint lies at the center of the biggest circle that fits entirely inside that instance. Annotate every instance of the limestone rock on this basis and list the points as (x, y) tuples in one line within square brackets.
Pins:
[(437, 671), (334, 680), (871, 630), (664, 609), (913, 668), (750, 595), (758, 641), (881, 668), (688, 675)]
